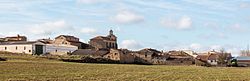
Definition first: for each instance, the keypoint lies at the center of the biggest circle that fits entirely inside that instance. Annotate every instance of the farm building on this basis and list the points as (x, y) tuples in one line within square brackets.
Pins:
[(212, 58), (60, 49), (121, 55), (179, 58), (36, 48), (243, 61), (27, 47), (14, 38)]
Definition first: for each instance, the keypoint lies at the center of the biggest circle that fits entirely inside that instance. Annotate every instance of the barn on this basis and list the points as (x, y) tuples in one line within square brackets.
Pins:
[(36, 48), (27, 47)]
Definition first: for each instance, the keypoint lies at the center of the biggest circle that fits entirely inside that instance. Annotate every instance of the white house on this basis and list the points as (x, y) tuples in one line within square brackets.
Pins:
[(30, 47), (60, 49), (36, 48)]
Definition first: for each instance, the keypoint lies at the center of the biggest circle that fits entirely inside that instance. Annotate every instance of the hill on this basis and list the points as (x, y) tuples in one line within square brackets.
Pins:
[(26, 67)]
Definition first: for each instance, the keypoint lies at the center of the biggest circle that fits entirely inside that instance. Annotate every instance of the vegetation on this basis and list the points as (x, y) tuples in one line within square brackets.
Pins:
[(27, 67)]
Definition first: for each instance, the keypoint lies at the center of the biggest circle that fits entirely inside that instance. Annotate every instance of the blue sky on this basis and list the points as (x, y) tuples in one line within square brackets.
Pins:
[(199, 25)]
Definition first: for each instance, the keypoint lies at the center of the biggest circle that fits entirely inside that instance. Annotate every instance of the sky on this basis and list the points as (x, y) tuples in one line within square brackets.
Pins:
[(199, 25)]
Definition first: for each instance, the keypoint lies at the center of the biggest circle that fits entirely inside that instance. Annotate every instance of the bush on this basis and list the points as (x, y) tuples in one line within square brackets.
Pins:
[(2, 59), (89, 60)]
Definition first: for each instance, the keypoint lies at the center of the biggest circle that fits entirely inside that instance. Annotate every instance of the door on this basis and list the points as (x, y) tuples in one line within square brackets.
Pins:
[(38, 49)]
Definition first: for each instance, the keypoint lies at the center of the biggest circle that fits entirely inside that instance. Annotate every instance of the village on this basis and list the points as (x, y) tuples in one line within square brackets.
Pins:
[(106, 48)]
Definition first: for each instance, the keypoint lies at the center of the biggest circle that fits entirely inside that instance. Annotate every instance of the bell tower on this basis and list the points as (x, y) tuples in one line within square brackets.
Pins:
[(111, 32)]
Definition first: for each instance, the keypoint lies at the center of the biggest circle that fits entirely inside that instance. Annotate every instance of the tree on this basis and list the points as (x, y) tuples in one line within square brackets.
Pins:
[(244, 53), (223, 57)]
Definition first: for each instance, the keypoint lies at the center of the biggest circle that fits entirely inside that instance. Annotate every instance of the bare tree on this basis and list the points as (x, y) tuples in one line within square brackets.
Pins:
[(244, 53), (223, 57)]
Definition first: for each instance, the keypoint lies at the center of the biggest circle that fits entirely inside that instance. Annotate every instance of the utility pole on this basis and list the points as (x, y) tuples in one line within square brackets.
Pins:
[(247, 54)]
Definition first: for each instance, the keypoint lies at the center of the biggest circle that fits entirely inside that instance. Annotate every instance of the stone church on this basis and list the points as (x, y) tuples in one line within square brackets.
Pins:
[(104, 42)]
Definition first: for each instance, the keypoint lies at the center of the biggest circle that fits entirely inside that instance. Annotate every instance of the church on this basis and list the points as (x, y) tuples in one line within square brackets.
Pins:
[(104, 42)]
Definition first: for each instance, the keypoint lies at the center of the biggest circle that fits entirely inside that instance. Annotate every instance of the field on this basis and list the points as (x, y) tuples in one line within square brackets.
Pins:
[(33, 68)]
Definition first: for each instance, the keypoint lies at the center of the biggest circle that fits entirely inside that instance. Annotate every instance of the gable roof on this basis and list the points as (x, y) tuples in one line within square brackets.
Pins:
[(100, 38), (212, 57), (202, 57), (21, 42), (90, 52), (66, 36)]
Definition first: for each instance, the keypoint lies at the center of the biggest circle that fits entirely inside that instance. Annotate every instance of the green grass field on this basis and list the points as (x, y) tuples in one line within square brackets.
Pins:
[(33, 68)]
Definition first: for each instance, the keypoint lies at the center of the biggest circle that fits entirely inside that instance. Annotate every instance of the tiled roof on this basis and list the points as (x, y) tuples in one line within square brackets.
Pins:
[(19, 42), (67, 36)]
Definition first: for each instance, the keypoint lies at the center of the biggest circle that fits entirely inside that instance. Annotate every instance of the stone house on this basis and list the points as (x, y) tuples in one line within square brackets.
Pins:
[(100, 53), (180, 58), (211, 58), (14, 38), (150, 56), (104, 42), (121, 55), (68, 40)]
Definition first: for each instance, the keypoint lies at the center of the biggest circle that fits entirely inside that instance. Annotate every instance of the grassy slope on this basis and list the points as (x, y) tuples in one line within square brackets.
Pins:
[(32, 68)]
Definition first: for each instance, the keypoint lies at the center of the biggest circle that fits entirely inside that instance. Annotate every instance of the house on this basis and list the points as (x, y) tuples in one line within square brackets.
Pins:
[(190, 52), (91, 52), (212, 58), (68, 40), (46, 41), (179, 58), (243, 61), (104, 42), (36, 48), (121, 55), (14, 38), (27, 47), (149, 56), (59, 49)]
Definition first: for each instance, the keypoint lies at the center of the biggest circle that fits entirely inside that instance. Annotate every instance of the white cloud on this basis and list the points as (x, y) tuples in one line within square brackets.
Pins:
[(215, 47), (244, 5), (50, 28), (196, 46), (130, 44), (213, 36), (127, 17), (238, 28), (91, 1), (88, 30), (185, 22)]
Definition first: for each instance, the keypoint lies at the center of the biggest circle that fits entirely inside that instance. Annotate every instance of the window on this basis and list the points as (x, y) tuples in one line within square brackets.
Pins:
[(56, 50), (145, 56), (24, 48), (5, 48), (16, 47), (29, 50), (115, 53)]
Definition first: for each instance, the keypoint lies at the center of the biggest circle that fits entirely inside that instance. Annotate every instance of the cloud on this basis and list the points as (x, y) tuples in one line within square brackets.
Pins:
[(127, 17), (91, 1), (215, 47), (245, 5), (130, 44), (88, 30), (238, 28), (213, 36), (50, 28), (196, 46), (185, 22)]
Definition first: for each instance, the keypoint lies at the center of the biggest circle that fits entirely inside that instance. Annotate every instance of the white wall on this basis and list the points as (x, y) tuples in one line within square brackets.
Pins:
[(56, 49), (22, 48), (212, 62)]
